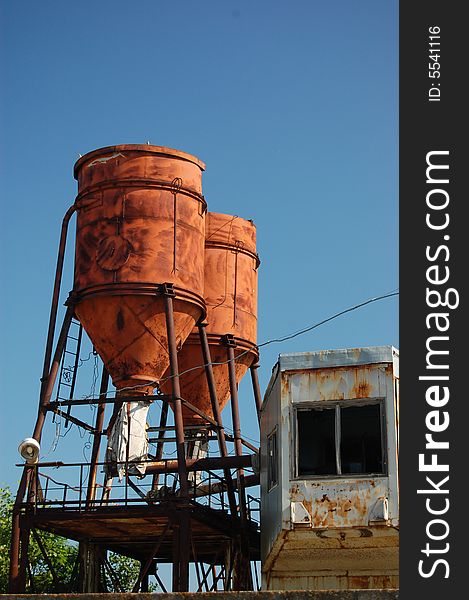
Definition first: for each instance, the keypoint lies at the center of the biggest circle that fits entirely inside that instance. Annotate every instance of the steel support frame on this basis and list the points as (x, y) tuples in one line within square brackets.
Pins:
[(181, 524), (242, 578), (182, 529), (91, 491), (17, 574)]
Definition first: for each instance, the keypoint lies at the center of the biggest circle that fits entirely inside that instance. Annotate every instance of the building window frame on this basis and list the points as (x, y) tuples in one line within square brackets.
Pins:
[(336, 405), (272, 459)]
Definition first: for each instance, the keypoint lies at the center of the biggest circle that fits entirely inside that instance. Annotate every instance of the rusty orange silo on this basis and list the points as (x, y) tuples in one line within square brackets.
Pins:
[(231, 264), (140, 224)]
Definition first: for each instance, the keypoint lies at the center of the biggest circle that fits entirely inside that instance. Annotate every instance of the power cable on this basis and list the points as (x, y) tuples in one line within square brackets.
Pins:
[(273, 340)]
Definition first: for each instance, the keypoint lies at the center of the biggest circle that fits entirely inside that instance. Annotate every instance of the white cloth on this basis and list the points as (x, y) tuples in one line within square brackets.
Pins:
[(129, 430)]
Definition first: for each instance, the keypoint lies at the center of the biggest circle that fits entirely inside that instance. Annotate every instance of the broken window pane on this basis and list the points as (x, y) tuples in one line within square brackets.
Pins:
[(353, 442), (360, 444), (316, 442), (272, 458)]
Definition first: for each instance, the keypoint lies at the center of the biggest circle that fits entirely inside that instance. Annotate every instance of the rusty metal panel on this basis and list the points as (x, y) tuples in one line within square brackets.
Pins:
[(339, 503), (272, 499), (280, 581), (337, 383), (347, 558), (324, 359), (230, 293)]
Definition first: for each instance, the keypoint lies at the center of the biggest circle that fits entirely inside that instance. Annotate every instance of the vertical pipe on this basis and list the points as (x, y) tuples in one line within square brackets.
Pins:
[(256, 389), (181, 564), (55, 296), (234, 402), (49, 384), (216, 413), (184, 550), (160, 445), (337, 440), (13, 582), (91, 492), (178, 421), (241, 578), (24, 536), (176, 540)]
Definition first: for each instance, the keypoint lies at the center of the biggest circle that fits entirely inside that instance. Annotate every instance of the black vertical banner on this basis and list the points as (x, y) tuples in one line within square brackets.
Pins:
[(434, 330)]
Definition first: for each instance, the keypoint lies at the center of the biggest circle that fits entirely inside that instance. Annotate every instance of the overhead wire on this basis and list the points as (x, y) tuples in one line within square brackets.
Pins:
[(371, 300), (91, 396)]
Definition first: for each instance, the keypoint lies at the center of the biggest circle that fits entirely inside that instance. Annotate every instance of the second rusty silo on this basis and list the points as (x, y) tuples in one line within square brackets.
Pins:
[(140, 225), (231, 264)]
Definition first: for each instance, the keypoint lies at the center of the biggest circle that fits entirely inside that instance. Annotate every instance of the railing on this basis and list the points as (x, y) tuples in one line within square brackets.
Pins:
[(67, 489), (253, 505)]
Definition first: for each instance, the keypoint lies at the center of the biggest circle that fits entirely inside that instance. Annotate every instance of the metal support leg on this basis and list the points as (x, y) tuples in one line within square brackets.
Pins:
[(160, 444), (91, 559), (55, 296), (242, 574), (256, 389), (45, 385), (91, 491), (216, 414), (25, 534), (176, 541), (144, 586), (234, 402), (181, 552), (181, 566), (184, 550), (14, 577), (176, 397)]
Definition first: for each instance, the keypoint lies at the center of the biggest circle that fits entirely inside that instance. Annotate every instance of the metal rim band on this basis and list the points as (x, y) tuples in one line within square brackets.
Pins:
[(110, 184)]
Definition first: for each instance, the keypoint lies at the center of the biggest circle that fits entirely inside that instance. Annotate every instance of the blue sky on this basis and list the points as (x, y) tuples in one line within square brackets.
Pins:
[(293, 106)]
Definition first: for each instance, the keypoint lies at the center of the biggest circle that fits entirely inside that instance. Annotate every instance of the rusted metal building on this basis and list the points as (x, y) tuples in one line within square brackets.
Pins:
[(329, 471)]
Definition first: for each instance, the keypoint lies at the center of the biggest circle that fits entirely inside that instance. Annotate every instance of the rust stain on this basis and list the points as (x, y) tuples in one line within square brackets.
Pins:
[(343, 509), (363, 582), (308, 504), (359, 582), (361, 390), (120, 322), (127, 237), (230, 292), (340, 383)]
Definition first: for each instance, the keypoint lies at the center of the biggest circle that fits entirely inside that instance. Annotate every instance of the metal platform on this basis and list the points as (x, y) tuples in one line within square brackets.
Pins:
[(137, 531)]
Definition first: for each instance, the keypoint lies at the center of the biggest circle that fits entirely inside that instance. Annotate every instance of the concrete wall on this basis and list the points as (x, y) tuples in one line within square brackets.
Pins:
[(268, 595)]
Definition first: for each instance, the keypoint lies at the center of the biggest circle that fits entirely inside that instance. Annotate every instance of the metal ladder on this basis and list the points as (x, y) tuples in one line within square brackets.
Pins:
[(69, 366)]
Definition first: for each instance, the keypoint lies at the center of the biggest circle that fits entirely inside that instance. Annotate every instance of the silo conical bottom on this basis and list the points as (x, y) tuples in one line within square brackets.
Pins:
[(193, 383), (129, 333)]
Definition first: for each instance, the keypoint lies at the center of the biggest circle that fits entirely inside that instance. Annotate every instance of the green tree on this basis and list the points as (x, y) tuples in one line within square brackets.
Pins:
[(62, 554)]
